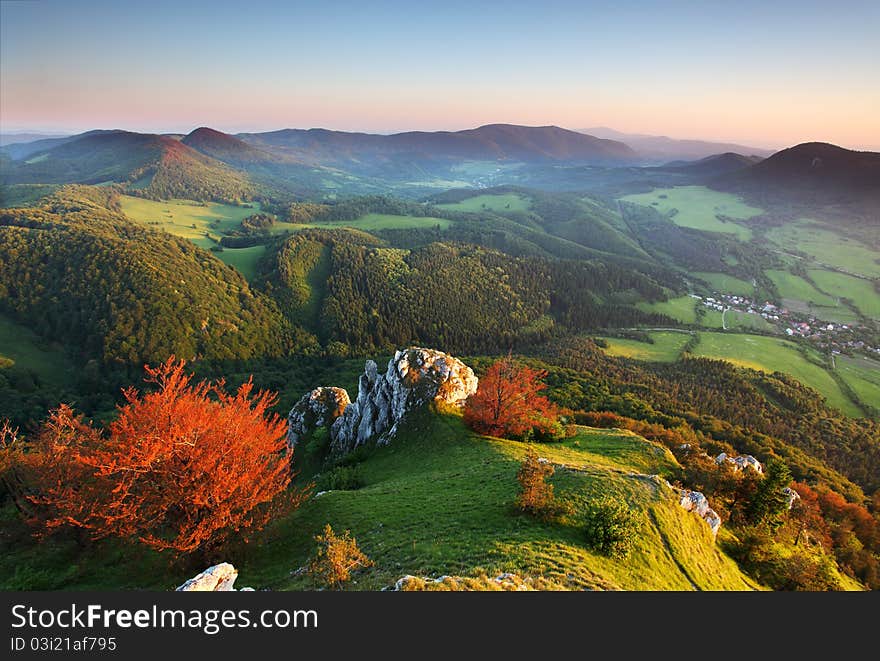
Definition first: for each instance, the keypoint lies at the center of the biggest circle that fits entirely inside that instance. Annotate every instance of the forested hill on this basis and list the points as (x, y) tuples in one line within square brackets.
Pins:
[(154, 166), (78, 271)]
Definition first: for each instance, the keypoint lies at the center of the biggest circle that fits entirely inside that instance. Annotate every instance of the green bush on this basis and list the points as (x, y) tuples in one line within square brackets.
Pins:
[(341, 478), (611, 527)]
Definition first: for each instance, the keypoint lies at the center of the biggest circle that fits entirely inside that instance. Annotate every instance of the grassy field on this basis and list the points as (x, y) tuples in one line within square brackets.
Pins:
[(243, 259), (666, 348), (499, 203), (26, 349), (699, 207), (381, 221), (795, 287), (827, 247), (727, 284), (735, 320), (863, 376), (203, 224), (438, 500), (770, 354), (681, 308), (861, 292)]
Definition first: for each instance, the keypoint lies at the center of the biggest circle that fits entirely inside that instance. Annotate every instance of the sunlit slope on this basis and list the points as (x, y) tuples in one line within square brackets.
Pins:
[(438, 501)]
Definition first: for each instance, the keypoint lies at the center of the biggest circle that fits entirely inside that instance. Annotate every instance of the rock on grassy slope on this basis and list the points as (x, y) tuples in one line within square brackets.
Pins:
[(438, 501)]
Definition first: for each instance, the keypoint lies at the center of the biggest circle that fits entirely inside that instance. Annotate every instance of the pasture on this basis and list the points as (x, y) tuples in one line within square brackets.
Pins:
[(202, 223), (496, 203), (681, 308), (20, 346), (771, 354), (666, 348), (726, 284), (861, 292), (376, 222), (827, 247), (863, 376), (700, 208)]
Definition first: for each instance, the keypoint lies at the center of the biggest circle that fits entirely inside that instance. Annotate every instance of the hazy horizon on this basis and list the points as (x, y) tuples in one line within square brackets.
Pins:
[(749, 74)]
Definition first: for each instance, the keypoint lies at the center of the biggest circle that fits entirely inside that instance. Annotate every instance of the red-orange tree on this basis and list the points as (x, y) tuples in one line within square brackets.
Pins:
[(508, 403), (182, 467)]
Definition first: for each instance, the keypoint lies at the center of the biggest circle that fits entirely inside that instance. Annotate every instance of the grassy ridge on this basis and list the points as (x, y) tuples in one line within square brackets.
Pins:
[(863, 376), (438, 501)]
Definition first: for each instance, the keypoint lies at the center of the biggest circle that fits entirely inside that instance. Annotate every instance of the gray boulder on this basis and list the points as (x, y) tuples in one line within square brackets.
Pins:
[(413, 378), (219, 578), (695, 501), (318, 408)]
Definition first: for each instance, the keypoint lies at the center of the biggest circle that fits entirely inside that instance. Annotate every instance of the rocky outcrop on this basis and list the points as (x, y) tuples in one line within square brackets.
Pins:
[(319, 408), (792, 495), (695, 501), (218, 578), (414, 377), (740, 463)]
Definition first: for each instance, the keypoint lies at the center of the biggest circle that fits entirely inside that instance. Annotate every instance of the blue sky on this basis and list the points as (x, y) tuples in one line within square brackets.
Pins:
[(766, 73)]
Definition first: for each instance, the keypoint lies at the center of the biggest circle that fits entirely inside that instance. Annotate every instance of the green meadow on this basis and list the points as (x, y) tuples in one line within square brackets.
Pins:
[(498, 203), (770, 354), (666, 347), (862, 293), (22, 347), (727, 284), (682, 308), (699, 208), (863, 376), (827, 247), (201, 223), (734, 320), (380, 221)]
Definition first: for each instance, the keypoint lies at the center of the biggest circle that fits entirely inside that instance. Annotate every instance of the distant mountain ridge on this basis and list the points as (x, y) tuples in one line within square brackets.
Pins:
[(501, 142), (662, 149)]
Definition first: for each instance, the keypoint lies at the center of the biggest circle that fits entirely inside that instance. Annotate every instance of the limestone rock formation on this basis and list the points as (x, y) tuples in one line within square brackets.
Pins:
[(414, 377), (741, 462), (319, 408), (792, 495), (695, 501), (219, 578)]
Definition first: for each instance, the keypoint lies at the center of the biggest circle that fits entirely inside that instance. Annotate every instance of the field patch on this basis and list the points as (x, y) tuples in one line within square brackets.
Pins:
[(827, 247), (727, 284), (770, 354), (497, 203), (243, 259), (863, 376), (380, 221), (666, 348), (861, 292), (700, 208), (681, 308), (202, 223), (21, 347)]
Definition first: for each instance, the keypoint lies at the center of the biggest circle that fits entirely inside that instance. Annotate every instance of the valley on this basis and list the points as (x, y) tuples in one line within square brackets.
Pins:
[(673, 313)]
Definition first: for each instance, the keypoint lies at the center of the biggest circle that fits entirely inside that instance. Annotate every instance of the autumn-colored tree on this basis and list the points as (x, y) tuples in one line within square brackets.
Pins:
[(535, 493), (509, 404), (336, 557), (182, 467)]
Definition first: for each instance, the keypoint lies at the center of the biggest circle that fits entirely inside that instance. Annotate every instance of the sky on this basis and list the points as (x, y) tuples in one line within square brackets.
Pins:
[(766, 74)]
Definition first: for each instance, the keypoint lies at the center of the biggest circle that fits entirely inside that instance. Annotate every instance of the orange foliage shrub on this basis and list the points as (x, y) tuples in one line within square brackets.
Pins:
[(509, 404), (181, 467)]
